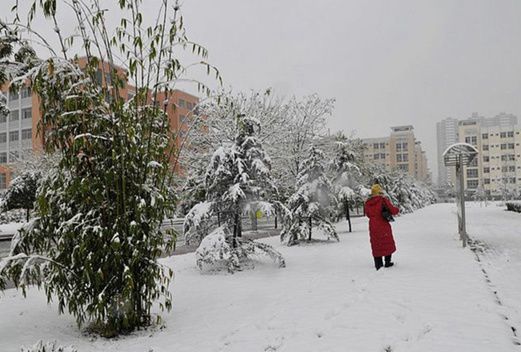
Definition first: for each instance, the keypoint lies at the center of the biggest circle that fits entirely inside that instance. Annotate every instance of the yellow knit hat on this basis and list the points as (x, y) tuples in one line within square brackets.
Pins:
[(376, 189)]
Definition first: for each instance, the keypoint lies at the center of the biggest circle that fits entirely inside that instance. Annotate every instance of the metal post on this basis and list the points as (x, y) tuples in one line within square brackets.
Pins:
[(461, 201)]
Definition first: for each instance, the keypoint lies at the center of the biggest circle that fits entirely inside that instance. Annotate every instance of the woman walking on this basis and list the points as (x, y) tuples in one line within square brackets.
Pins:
[(380, 232)]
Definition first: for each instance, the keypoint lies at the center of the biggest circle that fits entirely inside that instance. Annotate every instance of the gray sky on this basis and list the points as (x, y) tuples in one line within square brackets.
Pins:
[(386, 62)]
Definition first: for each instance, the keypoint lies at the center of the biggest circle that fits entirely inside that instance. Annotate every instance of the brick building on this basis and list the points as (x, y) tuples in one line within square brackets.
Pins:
[(19, 130)]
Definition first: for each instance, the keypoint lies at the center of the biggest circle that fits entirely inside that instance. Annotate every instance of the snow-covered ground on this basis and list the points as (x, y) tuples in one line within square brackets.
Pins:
[(329, 298)]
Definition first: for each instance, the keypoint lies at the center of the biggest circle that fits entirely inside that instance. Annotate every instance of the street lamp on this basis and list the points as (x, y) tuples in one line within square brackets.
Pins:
[(460, 155)]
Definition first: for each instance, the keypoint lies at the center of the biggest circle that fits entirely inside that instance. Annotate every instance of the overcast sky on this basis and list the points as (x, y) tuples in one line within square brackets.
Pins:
[(386, 62)]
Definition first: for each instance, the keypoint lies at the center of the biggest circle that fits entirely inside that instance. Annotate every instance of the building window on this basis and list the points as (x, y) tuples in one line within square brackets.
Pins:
[(14, 136), (3, 157), (382, 155), (484, 136), (474, 162), (511, 169), (3, 137), (3, 118), (511, 157), (382, 145), (376, 156), (405, 157), (512, 180), (485, 146), (182, 103), (503, 158), (26, 92), (27, 113), (403, 167), (189, 105), (27, 134), (376, 145), (510, 134), (486, 170), (472, 184), (504, 169), (511, 145), (472, 173), (3, 181), (399, 157), (503, 146), (471, 140), (13, 115), (13, 96), (486, 159), (503, 135)]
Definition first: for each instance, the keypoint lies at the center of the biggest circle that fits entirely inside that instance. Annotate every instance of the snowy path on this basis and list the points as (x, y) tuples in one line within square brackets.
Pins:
[(329, 298), (499, 233)]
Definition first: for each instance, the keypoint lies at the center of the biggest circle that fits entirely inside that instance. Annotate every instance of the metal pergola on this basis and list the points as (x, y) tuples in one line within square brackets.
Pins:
[(460, 155)]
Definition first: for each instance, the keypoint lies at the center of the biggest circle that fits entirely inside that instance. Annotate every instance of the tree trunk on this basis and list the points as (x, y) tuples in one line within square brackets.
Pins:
[(310, 227), (276, 217), (219, 219), (28, 212), (348, 216), (235, 230), (239, 225), (253, 218)]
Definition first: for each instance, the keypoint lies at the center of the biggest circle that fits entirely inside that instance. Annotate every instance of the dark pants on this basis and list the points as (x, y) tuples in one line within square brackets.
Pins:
[(378, 261)]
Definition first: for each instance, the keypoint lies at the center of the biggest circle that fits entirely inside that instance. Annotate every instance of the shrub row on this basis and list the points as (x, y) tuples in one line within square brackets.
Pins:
[(514, 206)]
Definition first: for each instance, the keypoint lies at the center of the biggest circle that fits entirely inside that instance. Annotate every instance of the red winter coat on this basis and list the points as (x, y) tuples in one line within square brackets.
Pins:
[(380, 232)]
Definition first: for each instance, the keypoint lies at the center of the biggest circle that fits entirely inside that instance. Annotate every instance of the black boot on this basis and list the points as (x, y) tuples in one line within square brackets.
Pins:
[(378, 263), (388, 262)]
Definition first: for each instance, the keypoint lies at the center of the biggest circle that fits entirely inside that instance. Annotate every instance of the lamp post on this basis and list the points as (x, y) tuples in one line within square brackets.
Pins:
[(460, 155)]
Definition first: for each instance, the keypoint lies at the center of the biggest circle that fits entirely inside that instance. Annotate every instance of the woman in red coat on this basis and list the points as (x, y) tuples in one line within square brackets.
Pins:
[(380, 232)]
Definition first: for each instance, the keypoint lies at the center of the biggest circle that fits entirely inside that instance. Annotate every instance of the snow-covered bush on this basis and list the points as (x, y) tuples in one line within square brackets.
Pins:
[(95, 242), (313, 201), (41, 346), (513, 206), (215, 254)]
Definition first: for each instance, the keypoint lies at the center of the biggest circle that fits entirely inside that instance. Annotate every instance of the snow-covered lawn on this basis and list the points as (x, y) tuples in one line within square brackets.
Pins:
[(329, 298)]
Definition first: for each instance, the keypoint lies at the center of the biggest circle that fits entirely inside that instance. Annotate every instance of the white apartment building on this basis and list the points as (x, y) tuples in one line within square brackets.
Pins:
[(447, 135), (497, 169), (17, 132)]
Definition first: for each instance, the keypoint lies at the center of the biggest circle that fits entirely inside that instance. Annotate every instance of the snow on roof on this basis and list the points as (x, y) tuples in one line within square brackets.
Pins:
[(459, 152), (466, 145)]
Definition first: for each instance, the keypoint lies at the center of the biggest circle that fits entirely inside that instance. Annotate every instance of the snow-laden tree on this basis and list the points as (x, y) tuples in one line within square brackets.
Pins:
[(346, 173), (238, 179), (313, 201), (193, 190), (21, 193), (30, 170), (288, 129), (95, 242), (480, 195), (402, 189)]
